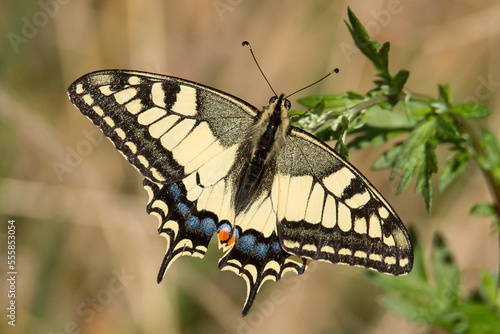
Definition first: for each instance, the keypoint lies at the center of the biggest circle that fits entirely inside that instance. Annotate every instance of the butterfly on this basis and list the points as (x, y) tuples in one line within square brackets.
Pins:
[(275, 196)]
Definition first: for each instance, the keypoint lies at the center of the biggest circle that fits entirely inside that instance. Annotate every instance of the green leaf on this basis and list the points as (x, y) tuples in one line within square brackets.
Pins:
[(398, 82), (455, 166), (413, 153), (448, 129), (491, 148), (483, 210), (341, 149), (384, 60), (368, 47), (488, 288), (387, 119), (330, 101), (373, 137), (444, 94), (489, 157), (424, 181), (469, 110)]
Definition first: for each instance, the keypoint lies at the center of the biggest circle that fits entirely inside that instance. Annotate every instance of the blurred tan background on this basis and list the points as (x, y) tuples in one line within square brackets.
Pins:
[(87, 252)]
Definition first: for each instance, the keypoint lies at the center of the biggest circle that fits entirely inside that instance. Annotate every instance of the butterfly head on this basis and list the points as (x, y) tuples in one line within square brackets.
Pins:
[(279, 107), (279, 102)]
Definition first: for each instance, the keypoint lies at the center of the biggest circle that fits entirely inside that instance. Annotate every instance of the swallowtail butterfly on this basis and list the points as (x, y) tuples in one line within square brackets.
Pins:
[(275, 196)]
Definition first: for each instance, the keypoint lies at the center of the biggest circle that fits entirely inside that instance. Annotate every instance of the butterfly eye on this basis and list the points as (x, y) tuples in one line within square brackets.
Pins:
[(272, 99), (288, 105)]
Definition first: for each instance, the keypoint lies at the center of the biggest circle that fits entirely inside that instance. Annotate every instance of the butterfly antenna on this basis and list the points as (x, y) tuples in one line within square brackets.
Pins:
[(245, 43), (335, 70)]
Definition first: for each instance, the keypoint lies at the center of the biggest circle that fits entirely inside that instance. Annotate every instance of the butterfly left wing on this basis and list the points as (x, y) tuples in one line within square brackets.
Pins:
[(329, 211), (184, 138)]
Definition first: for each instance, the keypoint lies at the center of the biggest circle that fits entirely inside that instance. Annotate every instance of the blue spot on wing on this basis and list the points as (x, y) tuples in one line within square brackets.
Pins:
[(193, 223), (175, 191), (246, 243), (183, 209), (275, 246), (260, 250), (208, 226)]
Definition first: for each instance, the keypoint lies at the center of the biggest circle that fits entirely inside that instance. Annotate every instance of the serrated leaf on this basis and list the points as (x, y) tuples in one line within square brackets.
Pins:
[(455, 166), (424, 181), (412, 153), (398, 82), (383, 54), (408, 168), (483, 210), (447, 129), (368, 47), (469, 110)]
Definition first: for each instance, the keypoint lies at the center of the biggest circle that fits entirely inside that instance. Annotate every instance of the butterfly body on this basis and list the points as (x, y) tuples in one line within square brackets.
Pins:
[(275, 196)]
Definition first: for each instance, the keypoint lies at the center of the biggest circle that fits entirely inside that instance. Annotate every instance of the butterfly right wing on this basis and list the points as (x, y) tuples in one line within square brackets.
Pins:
[(327, 210), (166, 127)]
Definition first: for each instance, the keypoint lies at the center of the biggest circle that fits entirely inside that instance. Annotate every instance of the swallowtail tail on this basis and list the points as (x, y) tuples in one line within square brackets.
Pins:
[(275, 196)]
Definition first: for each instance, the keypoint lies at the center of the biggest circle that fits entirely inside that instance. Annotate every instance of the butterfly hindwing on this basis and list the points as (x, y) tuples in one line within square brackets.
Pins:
[(328, 211), (188, 224)]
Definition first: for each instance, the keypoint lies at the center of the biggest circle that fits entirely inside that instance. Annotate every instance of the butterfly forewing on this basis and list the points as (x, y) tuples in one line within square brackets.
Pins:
[(165, 126), (193, 144)]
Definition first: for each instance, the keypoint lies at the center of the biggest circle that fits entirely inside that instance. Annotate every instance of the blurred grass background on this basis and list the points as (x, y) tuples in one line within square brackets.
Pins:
[(81, 227)]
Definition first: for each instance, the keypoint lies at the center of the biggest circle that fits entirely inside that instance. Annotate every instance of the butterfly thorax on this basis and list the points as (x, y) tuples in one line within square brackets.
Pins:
[(266, 138)]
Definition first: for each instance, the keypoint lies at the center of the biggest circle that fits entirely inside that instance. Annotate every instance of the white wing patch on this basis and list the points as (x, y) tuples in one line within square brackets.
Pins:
[(330, 212), (185, 103), (315, 205), (197, 148), (299, 188), (177, 133), (337, 182), (151, 115), (260, 217), (158, 94)]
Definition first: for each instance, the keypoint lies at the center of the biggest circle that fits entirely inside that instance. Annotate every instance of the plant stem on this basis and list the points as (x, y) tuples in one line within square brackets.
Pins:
[(490, 180)]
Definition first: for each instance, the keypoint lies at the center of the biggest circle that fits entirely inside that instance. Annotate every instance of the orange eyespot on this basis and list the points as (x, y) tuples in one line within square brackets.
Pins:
[(230, 242), (223, 235)]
